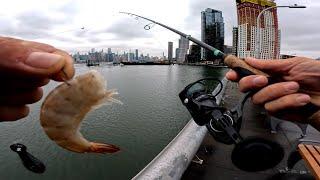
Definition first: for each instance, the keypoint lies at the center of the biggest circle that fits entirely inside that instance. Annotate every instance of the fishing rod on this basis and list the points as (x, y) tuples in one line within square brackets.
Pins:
[(241, 67), (233, 62)]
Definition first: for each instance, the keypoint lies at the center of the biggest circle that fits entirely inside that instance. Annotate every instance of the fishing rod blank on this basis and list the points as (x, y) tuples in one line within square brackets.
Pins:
[(233, 62)]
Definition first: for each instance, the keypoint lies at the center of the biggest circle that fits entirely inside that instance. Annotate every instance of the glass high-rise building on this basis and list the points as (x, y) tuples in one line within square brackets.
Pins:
[(182, 51), (110, 57), (137, 55), (170, 49), (194, 54), (212, 32), (235, 41)]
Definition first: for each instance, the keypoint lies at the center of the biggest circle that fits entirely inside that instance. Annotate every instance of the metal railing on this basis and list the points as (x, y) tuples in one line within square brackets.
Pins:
[(174, 159)]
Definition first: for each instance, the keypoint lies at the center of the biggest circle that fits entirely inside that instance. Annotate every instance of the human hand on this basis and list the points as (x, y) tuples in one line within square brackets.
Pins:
[(25, 66), (299, 85)]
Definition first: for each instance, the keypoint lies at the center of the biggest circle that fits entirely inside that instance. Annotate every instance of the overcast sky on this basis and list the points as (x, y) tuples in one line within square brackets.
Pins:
[(59, 23)]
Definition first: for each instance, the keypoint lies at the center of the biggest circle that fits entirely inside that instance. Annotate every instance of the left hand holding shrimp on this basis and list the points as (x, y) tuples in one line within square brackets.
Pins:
[(25, 66)]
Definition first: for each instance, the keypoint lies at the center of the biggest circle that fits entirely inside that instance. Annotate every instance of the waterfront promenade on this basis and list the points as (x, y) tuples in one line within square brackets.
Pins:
[(218, 165)]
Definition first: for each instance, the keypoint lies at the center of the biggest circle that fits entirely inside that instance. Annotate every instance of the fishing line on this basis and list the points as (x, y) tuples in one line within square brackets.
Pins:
[(55, 34), (148, 27)]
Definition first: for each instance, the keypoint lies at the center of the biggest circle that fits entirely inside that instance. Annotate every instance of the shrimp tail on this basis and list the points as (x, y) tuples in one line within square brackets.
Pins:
[(102, 148)]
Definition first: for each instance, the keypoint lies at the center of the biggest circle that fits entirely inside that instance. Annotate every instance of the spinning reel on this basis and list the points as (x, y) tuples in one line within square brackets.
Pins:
[(249, 154)]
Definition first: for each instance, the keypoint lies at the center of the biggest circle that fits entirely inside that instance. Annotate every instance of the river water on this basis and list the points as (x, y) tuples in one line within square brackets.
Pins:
[(150, 117)]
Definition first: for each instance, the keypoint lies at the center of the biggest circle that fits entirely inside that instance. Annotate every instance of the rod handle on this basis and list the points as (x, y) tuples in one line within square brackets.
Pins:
[(241, 67)]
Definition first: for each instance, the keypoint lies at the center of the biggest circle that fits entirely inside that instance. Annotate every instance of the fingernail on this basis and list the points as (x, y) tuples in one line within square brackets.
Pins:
[(42, 59), (292, 86), (260, 81), (303, 99)]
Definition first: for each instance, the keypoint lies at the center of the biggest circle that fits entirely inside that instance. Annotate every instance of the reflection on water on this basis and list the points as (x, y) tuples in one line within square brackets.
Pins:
[(151, 115)]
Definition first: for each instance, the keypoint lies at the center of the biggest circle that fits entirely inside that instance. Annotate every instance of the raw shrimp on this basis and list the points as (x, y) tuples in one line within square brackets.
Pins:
[(65, 107)]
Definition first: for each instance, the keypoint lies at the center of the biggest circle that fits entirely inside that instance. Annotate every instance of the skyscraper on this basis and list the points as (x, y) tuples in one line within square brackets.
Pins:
[(170, 49), (110, 55), (235, 41), (181, 52), (212, 32), (194, 54), (137, 55), (248, 11)]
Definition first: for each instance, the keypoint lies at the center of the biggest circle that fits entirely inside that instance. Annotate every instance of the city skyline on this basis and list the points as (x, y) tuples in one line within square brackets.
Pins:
[(97, 55), (60, 23)]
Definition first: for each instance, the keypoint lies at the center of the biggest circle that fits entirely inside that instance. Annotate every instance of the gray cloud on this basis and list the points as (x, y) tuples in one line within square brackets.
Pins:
[(35, 24), (38, 20), (300, 30), (124, 30), (68, 39), (94, 39), (69, 8), (11, 27), (127, 30)]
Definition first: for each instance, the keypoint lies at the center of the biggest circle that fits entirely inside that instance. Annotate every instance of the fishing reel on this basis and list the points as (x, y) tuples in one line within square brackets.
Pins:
[(249, 154)]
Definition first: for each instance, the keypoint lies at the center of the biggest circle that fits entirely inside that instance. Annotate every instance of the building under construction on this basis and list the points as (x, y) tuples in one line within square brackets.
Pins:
[(248, 11)]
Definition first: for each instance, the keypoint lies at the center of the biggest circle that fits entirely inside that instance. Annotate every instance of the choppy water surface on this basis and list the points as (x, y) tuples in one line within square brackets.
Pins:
[(151, 115)]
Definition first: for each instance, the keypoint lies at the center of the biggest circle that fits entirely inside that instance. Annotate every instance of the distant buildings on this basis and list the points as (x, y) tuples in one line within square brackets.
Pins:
[(182, 50), (170, 50), (137, 55), (110, 56), (235, 38), (131, 56), (94, 56), (212, 32), (248, 11), (227, 49), (194, 55)]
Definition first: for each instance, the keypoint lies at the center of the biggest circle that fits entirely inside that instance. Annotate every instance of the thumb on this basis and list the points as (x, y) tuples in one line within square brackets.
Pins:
[(38, 64), (57, 65), (272, 66), (31, 59), (42, 64)]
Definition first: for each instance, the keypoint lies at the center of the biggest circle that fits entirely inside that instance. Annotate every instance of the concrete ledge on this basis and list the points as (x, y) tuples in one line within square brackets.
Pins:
[(174, 159)]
